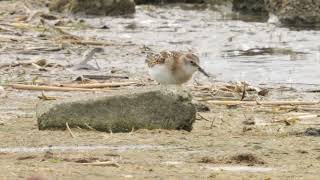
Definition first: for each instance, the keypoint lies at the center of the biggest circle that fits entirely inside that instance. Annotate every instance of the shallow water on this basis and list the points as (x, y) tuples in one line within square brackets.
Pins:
[(220, 41)]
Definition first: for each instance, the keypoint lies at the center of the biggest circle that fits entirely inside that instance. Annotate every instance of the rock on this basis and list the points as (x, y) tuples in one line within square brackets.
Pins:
[(250, 7), (181, 1), (300, 13), (312, 132), (151, 108), (168, 1), (94, 7)]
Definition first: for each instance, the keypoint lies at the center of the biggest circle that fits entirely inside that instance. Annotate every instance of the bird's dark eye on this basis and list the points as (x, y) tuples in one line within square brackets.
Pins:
[(192, 62)]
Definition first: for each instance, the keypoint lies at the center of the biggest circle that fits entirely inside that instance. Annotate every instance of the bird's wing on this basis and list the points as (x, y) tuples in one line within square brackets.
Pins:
[(162, 57)]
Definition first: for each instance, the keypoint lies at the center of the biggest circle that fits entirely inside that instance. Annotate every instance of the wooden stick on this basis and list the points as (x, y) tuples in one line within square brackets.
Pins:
[(252, 103), (300, 108), (49, 88), (104, 77), (68, 128), (106, 163), (98, 85)]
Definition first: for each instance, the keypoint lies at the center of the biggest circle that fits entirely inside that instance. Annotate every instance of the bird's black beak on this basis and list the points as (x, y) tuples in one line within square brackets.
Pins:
[(202, 71)]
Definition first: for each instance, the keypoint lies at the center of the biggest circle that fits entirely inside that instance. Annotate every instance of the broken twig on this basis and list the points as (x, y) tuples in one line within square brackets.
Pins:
[(68, 128)]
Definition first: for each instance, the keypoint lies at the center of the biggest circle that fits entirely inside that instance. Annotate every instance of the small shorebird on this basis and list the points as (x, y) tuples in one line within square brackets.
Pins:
[(173, 67)]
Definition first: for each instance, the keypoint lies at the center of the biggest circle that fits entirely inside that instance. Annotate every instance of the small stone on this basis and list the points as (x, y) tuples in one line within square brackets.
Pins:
[(249, 121), (312, 132), (245, 129), (104, 27)]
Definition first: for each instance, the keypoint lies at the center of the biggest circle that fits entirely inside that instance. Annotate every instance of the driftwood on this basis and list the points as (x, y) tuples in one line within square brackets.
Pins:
[(307, 119), (50, 88), (98, 85), (270, 103), (297, 108)]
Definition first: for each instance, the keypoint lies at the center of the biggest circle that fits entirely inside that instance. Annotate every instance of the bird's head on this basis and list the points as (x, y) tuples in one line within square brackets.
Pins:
[(192, 63)]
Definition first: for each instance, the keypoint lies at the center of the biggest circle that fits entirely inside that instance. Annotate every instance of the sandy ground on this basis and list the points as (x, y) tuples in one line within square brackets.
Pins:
[(227, 142)]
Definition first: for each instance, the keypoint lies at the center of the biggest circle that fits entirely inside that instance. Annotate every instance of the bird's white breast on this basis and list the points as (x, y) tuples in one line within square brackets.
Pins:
[(162, 74)]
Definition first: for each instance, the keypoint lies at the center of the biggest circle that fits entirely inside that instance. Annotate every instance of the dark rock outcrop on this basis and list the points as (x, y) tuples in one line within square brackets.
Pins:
[(94, 7), (300, 13), (182, 1)]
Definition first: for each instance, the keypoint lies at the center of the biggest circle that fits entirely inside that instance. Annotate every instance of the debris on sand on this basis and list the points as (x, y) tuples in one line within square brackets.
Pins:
[(230, 91), (46, 98), (86, 58), (246, 158), (121, 111), (3, 93), (241, 158)]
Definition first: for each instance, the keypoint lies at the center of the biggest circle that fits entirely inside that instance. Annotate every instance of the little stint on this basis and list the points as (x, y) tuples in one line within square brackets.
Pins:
[(173, 67)]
